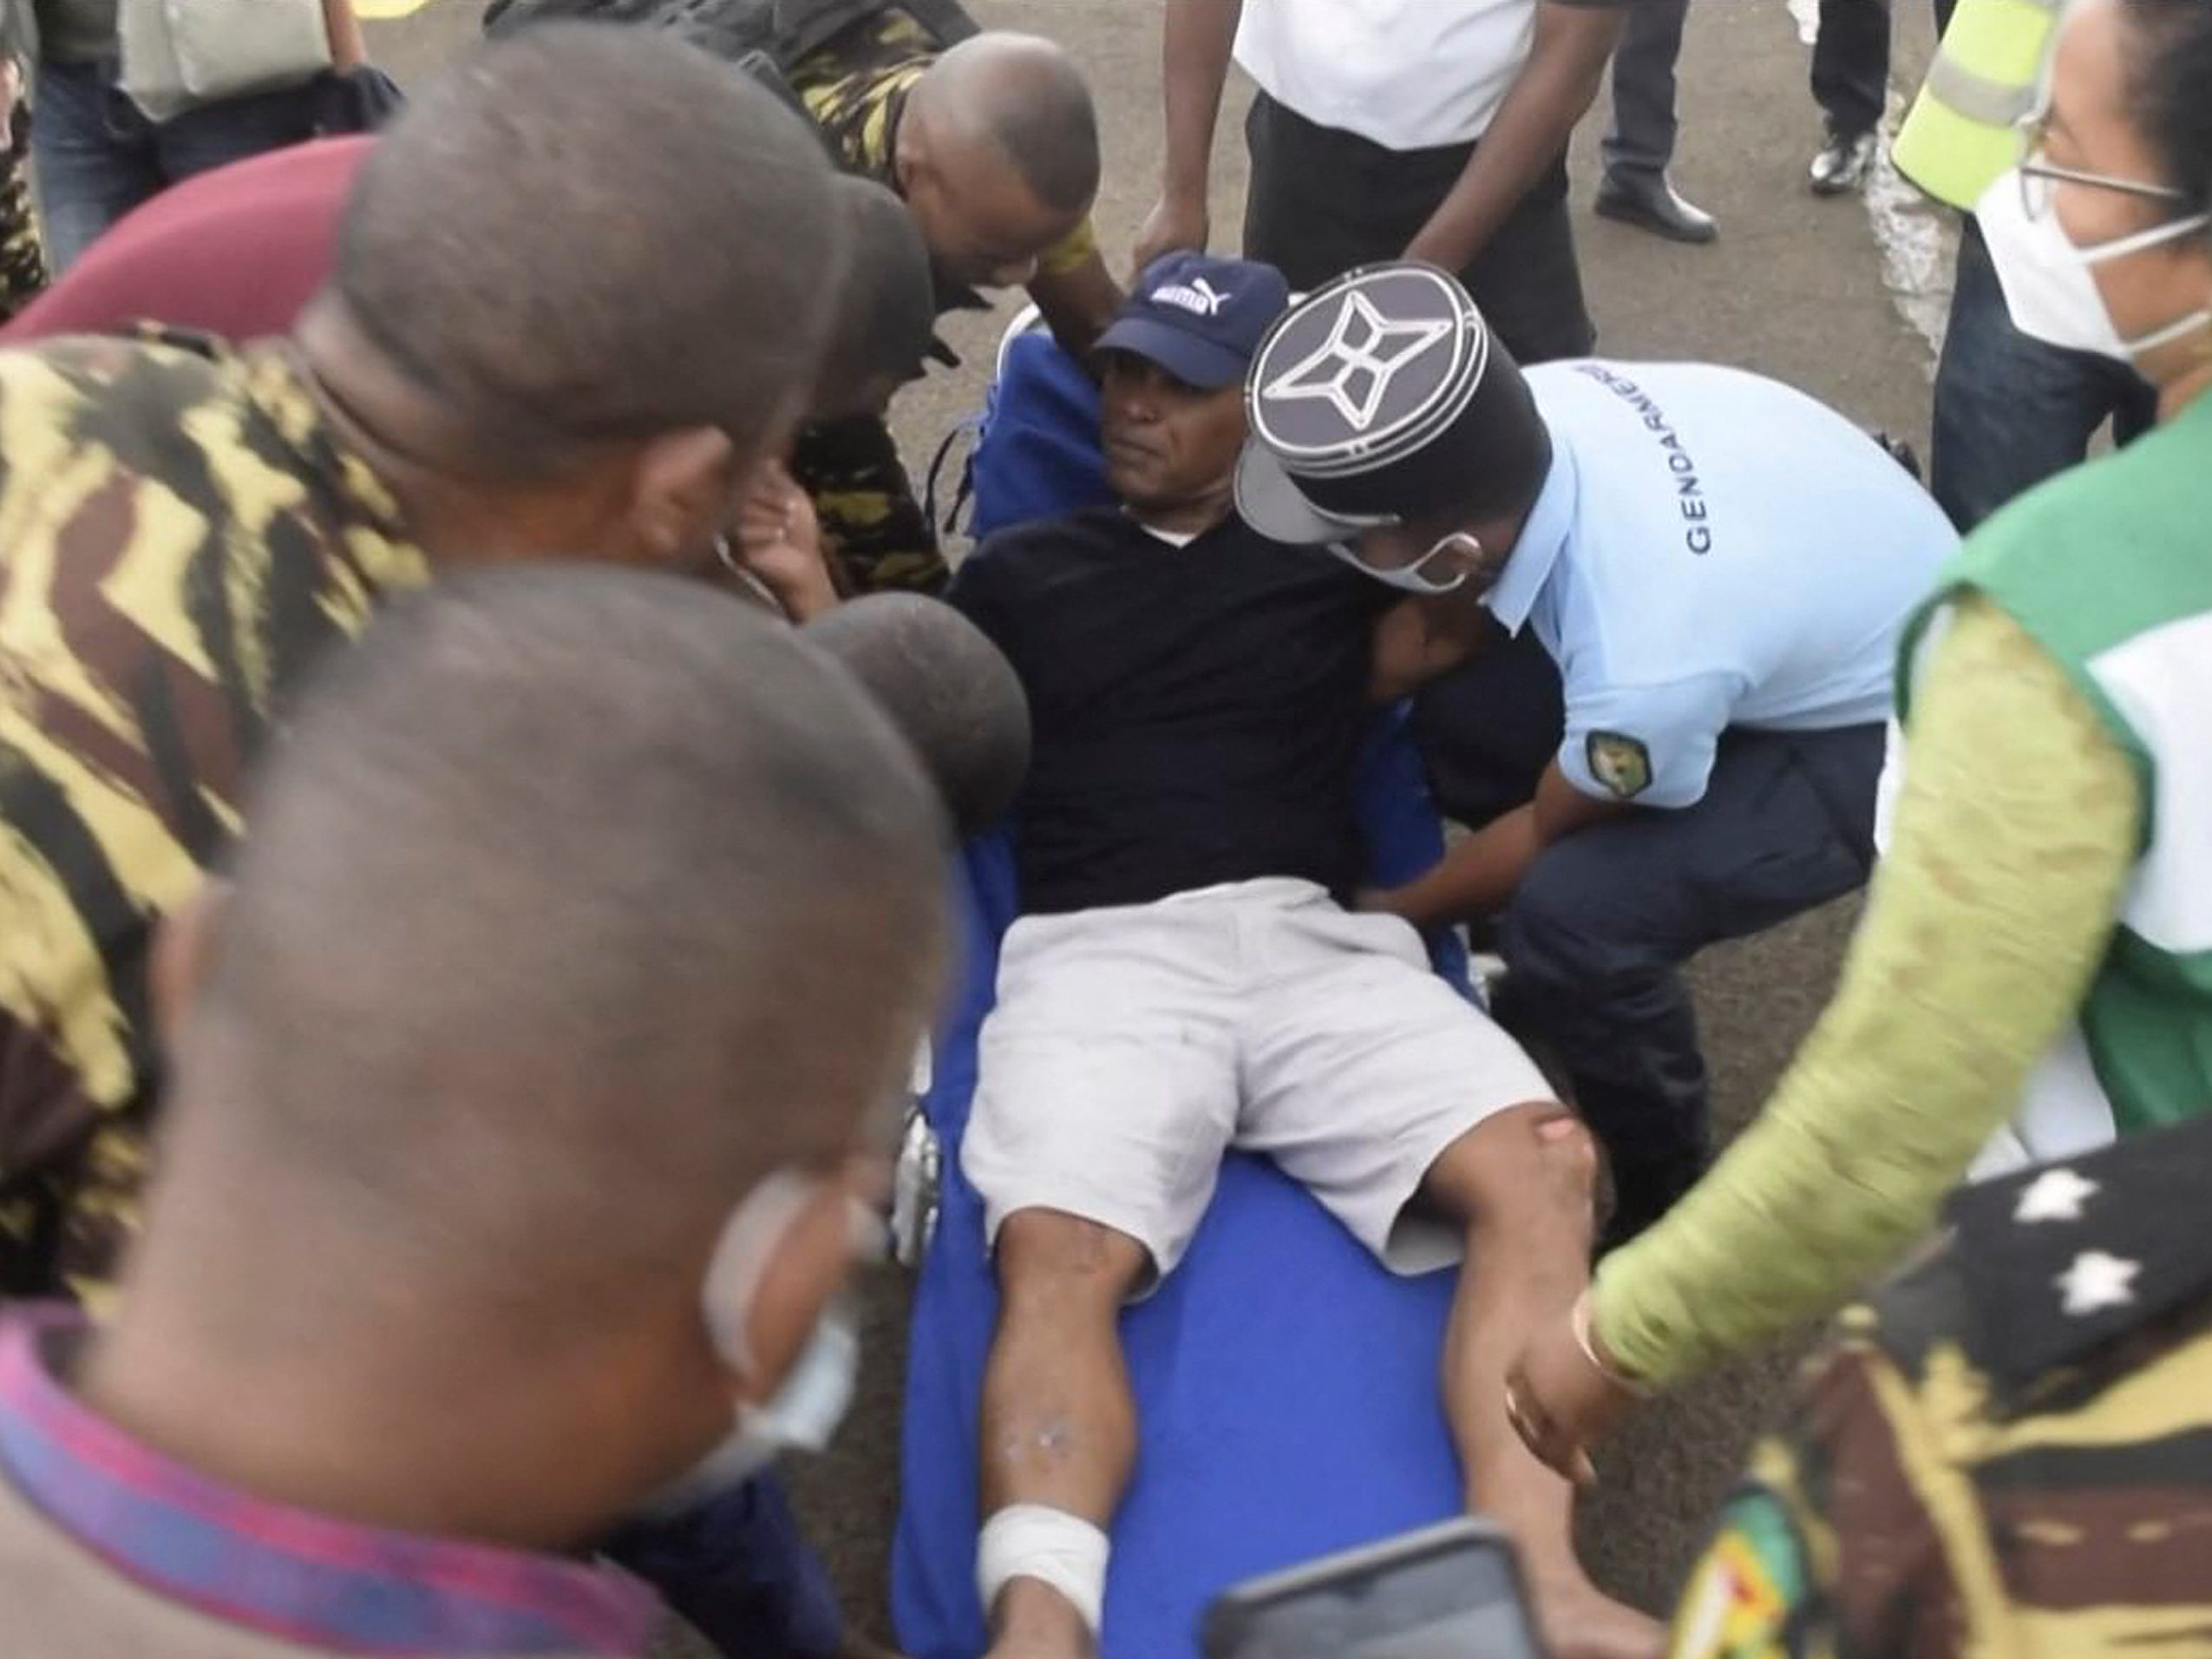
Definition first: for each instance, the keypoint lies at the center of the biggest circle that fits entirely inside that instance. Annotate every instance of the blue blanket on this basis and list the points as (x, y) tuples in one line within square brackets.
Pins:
[(1285, 1384)]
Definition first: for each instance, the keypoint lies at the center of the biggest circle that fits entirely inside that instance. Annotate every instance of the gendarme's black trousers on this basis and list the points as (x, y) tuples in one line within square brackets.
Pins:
[(1595, 939)]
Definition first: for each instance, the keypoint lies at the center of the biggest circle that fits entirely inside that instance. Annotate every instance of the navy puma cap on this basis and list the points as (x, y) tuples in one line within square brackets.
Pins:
[(1200, 319)]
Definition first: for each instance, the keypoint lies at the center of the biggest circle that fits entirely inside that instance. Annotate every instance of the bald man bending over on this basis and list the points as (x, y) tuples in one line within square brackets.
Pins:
[(993, 145), (990, 140), (522, 1086)]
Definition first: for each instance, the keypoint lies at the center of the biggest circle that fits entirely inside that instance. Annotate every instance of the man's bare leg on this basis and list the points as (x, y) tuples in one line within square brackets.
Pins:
[(1522, 1184), (1059, 1426)]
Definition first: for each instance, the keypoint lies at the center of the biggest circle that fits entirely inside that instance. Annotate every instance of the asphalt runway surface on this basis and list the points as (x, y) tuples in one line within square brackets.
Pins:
[(1829, 295)]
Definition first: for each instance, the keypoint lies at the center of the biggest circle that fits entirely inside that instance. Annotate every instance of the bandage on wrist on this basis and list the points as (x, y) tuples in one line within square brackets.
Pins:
[(1585, 1340), (1062, 1552)]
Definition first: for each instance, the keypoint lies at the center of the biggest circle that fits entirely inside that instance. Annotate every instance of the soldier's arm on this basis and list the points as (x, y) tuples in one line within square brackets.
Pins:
[(1077, 296)]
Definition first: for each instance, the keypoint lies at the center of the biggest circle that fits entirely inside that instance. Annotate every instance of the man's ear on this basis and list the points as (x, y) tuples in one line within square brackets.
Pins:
[(683, 493), (183, 946)]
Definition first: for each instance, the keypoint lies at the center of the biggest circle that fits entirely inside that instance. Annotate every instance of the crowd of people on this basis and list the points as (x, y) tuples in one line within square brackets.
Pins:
[(482, 757)]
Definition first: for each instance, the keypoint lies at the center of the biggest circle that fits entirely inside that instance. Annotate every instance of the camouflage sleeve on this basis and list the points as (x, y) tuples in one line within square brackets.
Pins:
[(871, 518), (1069, 254), (22, 256)]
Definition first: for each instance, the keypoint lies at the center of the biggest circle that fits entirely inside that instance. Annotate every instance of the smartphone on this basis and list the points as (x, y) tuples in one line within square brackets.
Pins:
[(1453, 1591)]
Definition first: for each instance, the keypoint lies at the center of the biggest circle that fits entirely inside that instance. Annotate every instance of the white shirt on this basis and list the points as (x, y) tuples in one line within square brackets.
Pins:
[(1408, 75), (1712, 549)]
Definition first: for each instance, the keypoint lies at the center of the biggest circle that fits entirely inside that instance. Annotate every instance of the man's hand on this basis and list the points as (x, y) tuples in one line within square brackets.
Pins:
[(1561, 1402), (1197, 39), (779, 540), (1380, 900), (1557, 85), (1177, 223)]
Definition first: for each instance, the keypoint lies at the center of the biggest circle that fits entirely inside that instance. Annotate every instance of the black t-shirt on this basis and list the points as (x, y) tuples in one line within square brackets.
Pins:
[(1198, 710)]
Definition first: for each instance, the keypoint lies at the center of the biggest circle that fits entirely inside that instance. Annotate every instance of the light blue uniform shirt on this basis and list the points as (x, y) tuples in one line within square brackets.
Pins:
[(1711, 549)]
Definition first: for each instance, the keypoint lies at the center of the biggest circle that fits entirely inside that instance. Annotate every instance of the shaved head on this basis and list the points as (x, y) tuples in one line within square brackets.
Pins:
[(1023, 95), (886, 313), (554, 243), (998, 159), (947, 688), (573, 902)]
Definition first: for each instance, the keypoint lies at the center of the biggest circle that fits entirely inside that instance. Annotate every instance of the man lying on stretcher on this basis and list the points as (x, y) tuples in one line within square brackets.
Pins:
[(1184, 978)]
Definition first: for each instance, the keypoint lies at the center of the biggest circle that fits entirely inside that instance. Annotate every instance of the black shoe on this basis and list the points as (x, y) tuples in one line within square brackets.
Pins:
[(1653, 206), (1842, 164)]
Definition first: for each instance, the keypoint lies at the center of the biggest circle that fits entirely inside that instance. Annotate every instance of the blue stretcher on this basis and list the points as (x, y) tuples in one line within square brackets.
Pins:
[(1285, 1384)]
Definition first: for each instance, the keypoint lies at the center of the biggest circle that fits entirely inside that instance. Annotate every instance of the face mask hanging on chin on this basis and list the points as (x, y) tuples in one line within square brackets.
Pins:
[(810, 1403), (2050, 285), (801, 1416)]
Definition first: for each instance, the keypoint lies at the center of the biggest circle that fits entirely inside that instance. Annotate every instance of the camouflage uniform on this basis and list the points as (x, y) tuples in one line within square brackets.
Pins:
[(22, 256), (855, 88), (179, 536), (2009, 1452)]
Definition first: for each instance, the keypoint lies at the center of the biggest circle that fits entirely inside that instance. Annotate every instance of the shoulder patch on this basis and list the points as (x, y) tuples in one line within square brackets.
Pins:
[(1620, 763), (1744, 1597)]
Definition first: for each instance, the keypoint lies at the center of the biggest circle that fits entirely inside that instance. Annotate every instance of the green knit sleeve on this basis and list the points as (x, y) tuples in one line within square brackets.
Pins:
[(2015, 833)]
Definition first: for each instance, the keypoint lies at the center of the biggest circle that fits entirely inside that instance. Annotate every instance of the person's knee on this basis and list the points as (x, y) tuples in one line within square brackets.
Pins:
[(1530, 1166), (1556, 933), (1052, 1261)]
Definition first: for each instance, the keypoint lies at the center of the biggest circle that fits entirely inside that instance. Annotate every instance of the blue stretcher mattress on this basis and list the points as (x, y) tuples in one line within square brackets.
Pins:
[(1285, 1383)]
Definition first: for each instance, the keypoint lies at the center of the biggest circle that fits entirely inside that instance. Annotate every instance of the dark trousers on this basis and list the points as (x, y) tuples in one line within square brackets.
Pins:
[(740, 1572), (2010, 411), (1324, 201), (97, 157), (1851, 64), (1595, 939), (1640, 142)]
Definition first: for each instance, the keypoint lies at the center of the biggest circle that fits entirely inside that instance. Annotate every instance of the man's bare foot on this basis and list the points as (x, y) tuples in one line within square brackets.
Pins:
[(1033, 1621), (1581, 1622)]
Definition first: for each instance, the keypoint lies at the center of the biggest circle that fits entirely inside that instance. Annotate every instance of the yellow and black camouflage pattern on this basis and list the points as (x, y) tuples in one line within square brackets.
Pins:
[(1912, 1508), (855, 88), (180, 536), (23, 255)]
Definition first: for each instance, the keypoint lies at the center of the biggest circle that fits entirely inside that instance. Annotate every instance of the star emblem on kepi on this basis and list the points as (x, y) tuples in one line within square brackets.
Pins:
[(2056, 1194), (2098, 1281), (1353, 368)]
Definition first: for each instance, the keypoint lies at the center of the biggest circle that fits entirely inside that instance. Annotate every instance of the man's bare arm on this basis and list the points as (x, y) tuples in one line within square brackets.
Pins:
[(1555, 90), (1078, 304), (347, 46), (1196, 46), (1479, 877)]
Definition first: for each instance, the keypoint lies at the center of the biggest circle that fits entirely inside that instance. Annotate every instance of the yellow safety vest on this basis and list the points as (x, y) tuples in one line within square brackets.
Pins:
[(1963, 130)]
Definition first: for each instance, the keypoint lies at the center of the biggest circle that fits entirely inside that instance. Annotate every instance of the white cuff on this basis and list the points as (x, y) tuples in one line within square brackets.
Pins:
[(1061, 1550)]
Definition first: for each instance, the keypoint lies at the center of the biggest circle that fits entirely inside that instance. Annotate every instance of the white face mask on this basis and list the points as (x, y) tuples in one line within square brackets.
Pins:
[(1415, 578), (2050, 285), (810, 1403)]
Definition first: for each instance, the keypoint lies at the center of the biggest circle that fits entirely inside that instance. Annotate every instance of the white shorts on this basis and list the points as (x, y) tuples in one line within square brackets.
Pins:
[(1131, 1047)]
